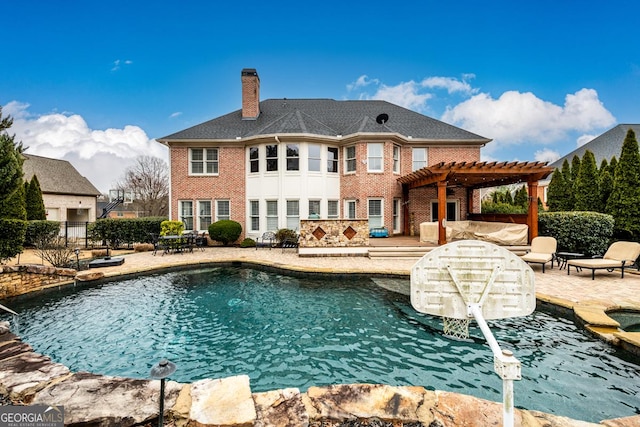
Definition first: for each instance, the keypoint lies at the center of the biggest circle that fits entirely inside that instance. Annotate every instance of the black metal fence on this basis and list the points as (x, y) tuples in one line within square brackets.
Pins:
[(75, 233)]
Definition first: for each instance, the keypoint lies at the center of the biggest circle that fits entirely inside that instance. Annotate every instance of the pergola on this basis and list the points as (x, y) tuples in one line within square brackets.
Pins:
[(476, 175)]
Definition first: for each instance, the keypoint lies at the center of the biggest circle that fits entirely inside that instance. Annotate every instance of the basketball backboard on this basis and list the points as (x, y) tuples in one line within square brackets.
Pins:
[(446, 280)]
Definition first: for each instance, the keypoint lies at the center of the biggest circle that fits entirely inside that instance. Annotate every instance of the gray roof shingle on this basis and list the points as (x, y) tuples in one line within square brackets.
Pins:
[(325, 117), (57, 176)]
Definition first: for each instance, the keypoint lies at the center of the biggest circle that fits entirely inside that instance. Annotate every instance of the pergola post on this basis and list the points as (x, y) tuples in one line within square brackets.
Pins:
[(442, 212), (532, 214)]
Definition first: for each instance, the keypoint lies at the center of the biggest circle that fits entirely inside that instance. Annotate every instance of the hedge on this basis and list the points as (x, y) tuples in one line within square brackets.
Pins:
[(588, 233), (225, 231), (12, 232), (125, 231), (40, 232)]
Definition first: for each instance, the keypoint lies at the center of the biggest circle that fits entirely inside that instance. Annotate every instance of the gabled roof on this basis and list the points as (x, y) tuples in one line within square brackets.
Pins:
[(326, 117), (605, 146), (57, 176)]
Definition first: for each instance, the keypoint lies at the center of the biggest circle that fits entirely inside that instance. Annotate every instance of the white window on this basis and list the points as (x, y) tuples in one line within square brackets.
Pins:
[(419, 158), (452, 210), (375, 213), (293, 214), (203, 161), (293, 157), (272, 158), (204, 214), (254, 213), (272, 215), (186, 214), (374, 157), (350, 209), (254, 159), (314, 158), (350, 158), (332, 160), (396, 215), (314, 209), (222, 210), (332, 209), (396, 159)]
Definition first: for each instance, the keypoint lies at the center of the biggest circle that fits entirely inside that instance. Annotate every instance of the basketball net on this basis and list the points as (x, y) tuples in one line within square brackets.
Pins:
[(456, 328)]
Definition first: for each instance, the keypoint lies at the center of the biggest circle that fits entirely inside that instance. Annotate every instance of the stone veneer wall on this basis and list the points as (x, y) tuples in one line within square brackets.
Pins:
[(333, 233), (21, 279)]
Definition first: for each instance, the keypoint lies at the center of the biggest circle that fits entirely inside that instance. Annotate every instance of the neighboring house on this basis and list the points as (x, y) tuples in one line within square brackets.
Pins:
[(605, 146), (67, 195), (275, 162)]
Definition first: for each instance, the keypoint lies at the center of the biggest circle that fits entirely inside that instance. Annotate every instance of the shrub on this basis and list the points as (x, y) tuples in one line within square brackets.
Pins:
[(171, 228), (248, 243), (12, 232), (143, 247), (40, 233), (56, 253), (286, 233), (225, 231), (128, 231), (589, 233)]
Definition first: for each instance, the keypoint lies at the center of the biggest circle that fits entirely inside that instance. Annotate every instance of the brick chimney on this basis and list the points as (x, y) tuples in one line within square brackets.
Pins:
[(250, 94)]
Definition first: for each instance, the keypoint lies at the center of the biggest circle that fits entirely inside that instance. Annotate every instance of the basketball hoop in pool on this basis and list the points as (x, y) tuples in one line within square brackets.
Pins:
[(472, 279)]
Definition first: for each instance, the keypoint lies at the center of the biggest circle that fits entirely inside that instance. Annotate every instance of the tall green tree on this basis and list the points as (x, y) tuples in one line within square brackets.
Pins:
[(556, 192), (34, 201), (587, 194), (567, 192), (11, 182), (604, 165), (521, 198), (605, 187), (613, 164), (623, 203)]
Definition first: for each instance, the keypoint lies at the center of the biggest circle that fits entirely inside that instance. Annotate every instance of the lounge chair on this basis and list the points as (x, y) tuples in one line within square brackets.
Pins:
[(268, 240), (619, 255), (543, 249)]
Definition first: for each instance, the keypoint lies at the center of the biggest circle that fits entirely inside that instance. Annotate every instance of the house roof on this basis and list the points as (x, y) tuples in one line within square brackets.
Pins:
[(327, 118), (57, 176), (605, 146), (477, 174)]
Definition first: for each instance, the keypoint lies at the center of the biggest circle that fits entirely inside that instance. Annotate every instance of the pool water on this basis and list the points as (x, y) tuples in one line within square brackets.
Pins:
[(287, 331)]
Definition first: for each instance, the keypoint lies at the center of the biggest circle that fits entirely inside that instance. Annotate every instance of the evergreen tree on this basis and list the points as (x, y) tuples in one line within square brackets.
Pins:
[(567, 190), (623, 203), (604, 165), (605, 186), (556, 192), (587, 195), (34, 201), (11, 183), (613, 164), (521, 198)]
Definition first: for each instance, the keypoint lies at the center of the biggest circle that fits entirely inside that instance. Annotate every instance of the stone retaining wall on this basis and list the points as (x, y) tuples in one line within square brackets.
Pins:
[(333, 233), (89, 399), (21, 279)]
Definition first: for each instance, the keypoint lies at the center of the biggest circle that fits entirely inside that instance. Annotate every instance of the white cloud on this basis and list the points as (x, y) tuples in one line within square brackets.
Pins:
[(450, 84), (405, 94), (100, 155), (361, 82), (176, 114), (117, 63), (583, 139), (546, 155)]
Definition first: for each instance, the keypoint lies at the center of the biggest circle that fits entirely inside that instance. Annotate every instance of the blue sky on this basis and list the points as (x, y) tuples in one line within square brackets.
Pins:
[(95, 82)]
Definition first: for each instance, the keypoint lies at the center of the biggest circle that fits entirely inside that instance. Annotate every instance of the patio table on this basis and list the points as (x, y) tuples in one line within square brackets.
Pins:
[(563, 257)]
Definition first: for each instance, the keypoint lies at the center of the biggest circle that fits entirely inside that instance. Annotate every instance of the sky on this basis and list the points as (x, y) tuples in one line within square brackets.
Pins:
[(95, 83)]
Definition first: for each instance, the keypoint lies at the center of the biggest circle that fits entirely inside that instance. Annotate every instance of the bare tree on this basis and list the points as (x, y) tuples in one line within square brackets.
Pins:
[(148, 180)]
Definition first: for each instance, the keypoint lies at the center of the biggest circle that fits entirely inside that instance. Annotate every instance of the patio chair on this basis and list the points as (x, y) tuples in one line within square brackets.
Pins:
[(289, 243), (267, 240), (201, 241), (543, 249), (619, 255)]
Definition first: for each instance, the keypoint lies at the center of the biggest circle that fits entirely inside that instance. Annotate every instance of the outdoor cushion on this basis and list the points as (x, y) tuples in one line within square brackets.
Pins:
[(619, 255), (542, 250)]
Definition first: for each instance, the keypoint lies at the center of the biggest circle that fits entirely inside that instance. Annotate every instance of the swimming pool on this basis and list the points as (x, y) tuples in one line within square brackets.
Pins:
[(290, 331)]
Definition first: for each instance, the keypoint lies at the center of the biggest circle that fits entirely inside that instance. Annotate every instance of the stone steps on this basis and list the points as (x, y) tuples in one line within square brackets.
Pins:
[(417, 252)]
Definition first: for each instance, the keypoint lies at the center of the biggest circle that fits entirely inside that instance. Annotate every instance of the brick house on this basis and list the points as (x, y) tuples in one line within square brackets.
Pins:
[(277, 161)]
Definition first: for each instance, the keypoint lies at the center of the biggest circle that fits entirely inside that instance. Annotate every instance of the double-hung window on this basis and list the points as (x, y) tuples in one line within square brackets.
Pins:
[(254, 159), (272, 158), (419, 158), (293, 157), (314, 158), (396, 159), (204, 214), (375, 213), (314, 209), (350, 209), (293, 214), (186, 214), (332, 209), (350, 159), (332, 160), (222, 210), (203, 161), (254, 214), (374, 156), (272, 215)]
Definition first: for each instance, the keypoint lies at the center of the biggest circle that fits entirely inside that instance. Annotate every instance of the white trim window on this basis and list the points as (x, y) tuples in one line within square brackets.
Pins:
[(452, 210), (293, 157), (375, 213), (293, 214), (396, 159), (314, 157), (350, 159), (223, 210), (272, 158), (419, 158), (272, 215), (203, 161), (204, 214), (332, 209), (332, 159), (374, 156), (314, 209), (350, 209), (186, 214), (254, 159), (254, 215), (396, 215)]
